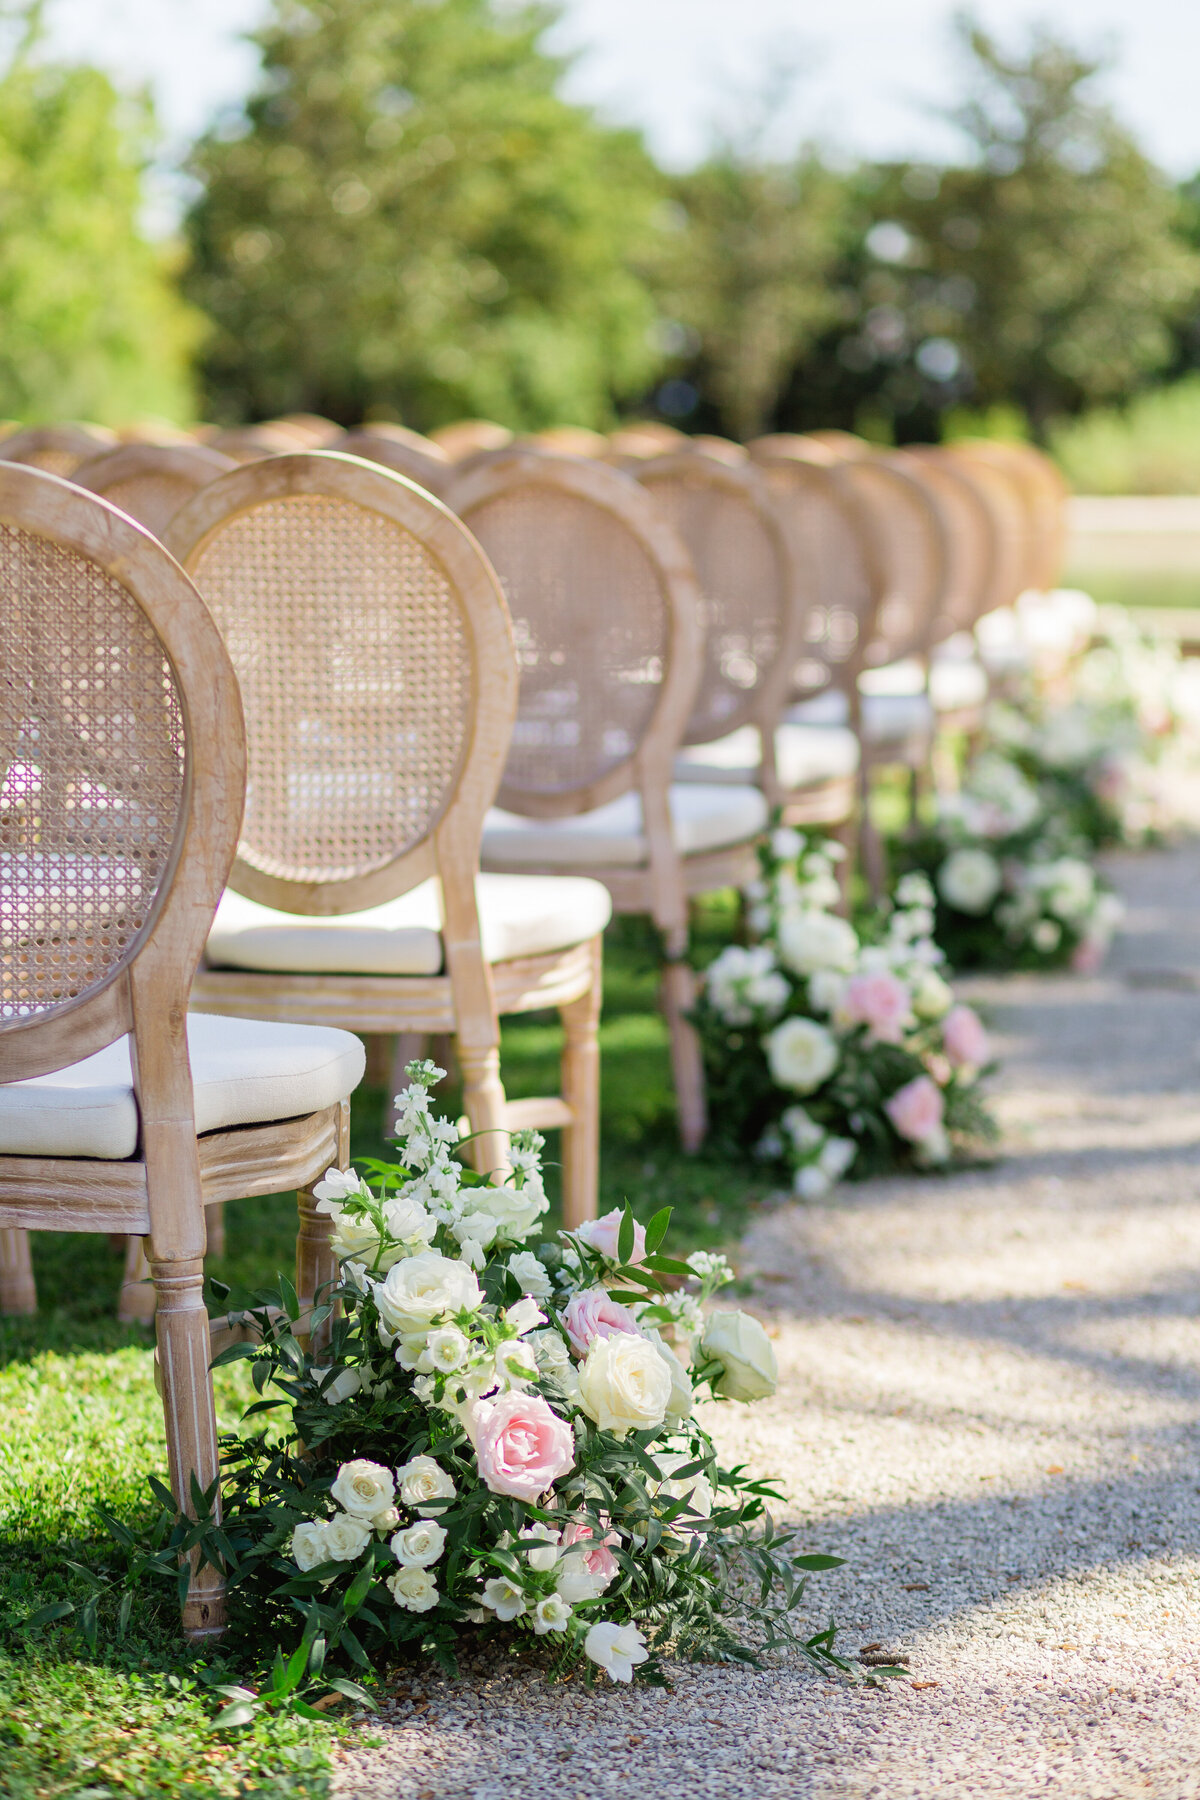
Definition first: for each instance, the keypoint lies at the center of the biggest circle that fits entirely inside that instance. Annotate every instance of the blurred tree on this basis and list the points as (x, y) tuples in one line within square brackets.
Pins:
[(91, 325), (408, 219), (1048, 270)]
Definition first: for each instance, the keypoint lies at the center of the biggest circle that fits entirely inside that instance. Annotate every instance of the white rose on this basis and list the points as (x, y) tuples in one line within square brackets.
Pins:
[(679, 1406), (743, 1349), (786, 843), (414, 1589), (422, 1481), (346, 1537), (801, 1054), (932, 997), (407, 1219), (309, 1545), (515, 1210), (419, 1545), (825, 990), (504, 1598), (363, 1488), (969, 880), (476, 1228), (617, 1649), (424, 1288), (624, 1384), (551, 1614), (532, 1275), (811, 940)]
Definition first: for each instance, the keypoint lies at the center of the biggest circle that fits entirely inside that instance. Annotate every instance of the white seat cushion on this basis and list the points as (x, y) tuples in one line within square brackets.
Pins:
[(244, 1072), (519, 915), (804, 755), (887, 718), (704, 817), (957, 684)]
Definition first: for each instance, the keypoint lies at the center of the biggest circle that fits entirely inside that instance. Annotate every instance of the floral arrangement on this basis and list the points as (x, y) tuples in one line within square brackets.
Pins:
[(839, 1051), (483, 1435), (1014, 886)]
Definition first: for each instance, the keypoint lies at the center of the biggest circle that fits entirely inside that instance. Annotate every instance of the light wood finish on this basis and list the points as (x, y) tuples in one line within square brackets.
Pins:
[(643, 438), (468, 436), (404, 452), (59, 449), (250, 443), (88, 961), (568, 440), (1043, 493), (150, 482), (608, 618), (379, 679), (311, 430)]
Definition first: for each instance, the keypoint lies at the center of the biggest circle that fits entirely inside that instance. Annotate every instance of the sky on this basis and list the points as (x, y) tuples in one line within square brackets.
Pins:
[(871, 72)]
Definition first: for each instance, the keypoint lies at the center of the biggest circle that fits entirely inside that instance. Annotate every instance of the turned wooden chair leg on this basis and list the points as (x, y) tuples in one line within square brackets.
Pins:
[(316, 1265), (214, 1221), (18, 1291), (136, 1303), (687, 1064), (183, 1354), (581, 1091), (485, 1105)]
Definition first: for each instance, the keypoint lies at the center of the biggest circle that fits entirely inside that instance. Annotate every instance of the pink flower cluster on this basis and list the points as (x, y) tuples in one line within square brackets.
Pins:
[(879, 1001), (593, 1314), (522, 1447)]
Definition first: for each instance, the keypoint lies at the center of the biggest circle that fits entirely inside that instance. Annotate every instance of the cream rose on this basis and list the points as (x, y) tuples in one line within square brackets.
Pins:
[(742, 1347), (422, 1481), (309, 1546), (801, 1054), (515, 1210), (625, 1384), (419, 1545), (346, 1537), (414, 1589), (363, 1488), (424, 1288)]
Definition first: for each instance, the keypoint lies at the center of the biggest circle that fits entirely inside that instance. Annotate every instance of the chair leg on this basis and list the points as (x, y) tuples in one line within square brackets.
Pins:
[(18, 1292), (136, 1304), (316, 1265), (581, 1091), (687, 1065), (484, 1105), (183, 1352), (214, 1222)]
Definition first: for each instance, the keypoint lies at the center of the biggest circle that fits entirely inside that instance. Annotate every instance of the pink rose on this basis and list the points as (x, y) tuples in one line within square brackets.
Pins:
[(964, 1039), (521, 1446), (598, 1559), (916, 1109), (602, 1235), (1087, 956), (879, 1001), (594, 1314)]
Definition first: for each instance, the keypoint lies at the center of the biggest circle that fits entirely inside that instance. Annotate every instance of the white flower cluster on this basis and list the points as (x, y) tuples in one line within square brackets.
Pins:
[(1046, 898)]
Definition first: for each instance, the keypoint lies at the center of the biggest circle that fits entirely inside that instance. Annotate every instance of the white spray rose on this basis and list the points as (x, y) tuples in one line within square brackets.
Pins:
[(801, 1054), (532, 1275), (624, 1384), (810, 940), (969, 880), (418, 1546), (745, 1353), (407, 1220), (421, 1481), (414, 1589), (309, 1545), (363, 1488)]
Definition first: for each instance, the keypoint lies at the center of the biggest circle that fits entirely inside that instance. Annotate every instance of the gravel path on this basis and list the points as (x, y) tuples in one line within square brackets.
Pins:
[(989, 1406)]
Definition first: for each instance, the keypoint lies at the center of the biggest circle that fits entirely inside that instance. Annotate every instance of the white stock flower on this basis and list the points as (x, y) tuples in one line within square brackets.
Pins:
[(504, 1598), (422, 1480), (550, 1614), (914, 890), (739, 1343), (532, 1275), (309, 1545), (414, 1589), (801, 1054), (346, 1537), (616, 1648), (624, 1384), (744, 984), (810, 940), (786, 843), (969, 880), (418, 1546), (363, 1488), (424, 1288)]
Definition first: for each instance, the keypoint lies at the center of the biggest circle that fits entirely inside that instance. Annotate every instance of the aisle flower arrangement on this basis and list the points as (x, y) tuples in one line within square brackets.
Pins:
[(495, 1437), (839, 1051)]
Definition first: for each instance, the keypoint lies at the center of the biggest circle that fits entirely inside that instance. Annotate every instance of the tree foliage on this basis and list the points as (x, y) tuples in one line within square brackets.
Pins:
[(91, 325), (410, 219)]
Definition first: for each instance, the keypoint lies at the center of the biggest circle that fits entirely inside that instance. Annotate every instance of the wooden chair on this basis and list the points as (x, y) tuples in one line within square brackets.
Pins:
[(111, 659), (610, 643), (644, 438), (375, 657), (404, 452), (569, 440), (150, 482), (755, 612), (251, 443), (59, 449), (468, 436)]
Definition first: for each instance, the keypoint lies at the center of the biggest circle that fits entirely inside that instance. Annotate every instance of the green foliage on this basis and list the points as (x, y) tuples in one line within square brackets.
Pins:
[(91, 325), (1151, 446), (410, 219)]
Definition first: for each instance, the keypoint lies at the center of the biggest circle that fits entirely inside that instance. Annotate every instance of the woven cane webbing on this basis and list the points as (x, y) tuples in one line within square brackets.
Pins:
[(91, 774), (911, 557), (353, 660), (830, 551), (743, 581), (151, 499), (969, 539), (591, 623)]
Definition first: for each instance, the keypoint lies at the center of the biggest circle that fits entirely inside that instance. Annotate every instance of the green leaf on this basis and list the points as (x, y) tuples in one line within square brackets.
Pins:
[(656, 1230), (291, 1303), (626, 1236), (356, 1593), (666, 1265), (818, 1562), (352, 1691), (46, 1615), (242, 1712)]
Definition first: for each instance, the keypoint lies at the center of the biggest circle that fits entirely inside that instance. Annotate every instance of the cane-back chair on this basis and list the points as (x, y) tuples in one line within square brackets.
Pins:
[(59, 449), (569, 440), (150, 482), (112, 661), (610, 644), (375, 657), (466, 437), (755, 604), (252, 443), (644, 438), (404, 452)]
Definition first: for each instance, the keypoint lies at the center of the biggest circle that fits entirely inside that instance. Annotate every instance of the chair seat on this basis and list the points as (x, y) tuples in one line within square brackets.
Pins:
[(244, 1072), (704, 817), (887, 718), (519, 915), (804, 756)]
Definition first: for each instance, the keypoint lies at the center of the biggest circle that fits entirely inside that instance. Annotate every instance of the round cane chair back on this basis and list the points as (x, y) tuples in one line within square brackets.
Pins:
[(405, 452), (569, 440), (121, 771), (833, 553), (606, 614), (1014, 545), (253, 443), (151, 482), (466, 437), (970, 533), (1043, 493), (910, 554), (311, 430), (375, 658), (740, 553), (59, 449)]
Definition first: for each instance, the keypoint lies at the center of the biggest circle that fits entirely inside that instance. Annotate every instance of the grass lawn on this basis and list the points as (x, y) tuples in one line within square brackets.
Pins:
[(80, 1427)]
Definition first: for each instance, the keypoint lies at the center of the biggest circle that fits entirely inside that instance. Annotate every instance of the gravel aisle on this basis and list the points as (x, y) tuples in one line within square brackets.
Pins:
[(989, 1406)]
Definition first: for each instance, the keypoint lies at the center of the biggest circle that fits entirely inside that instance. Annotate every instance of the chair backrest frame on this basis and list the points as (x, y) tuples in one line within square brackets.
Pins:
[(182, 467)]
